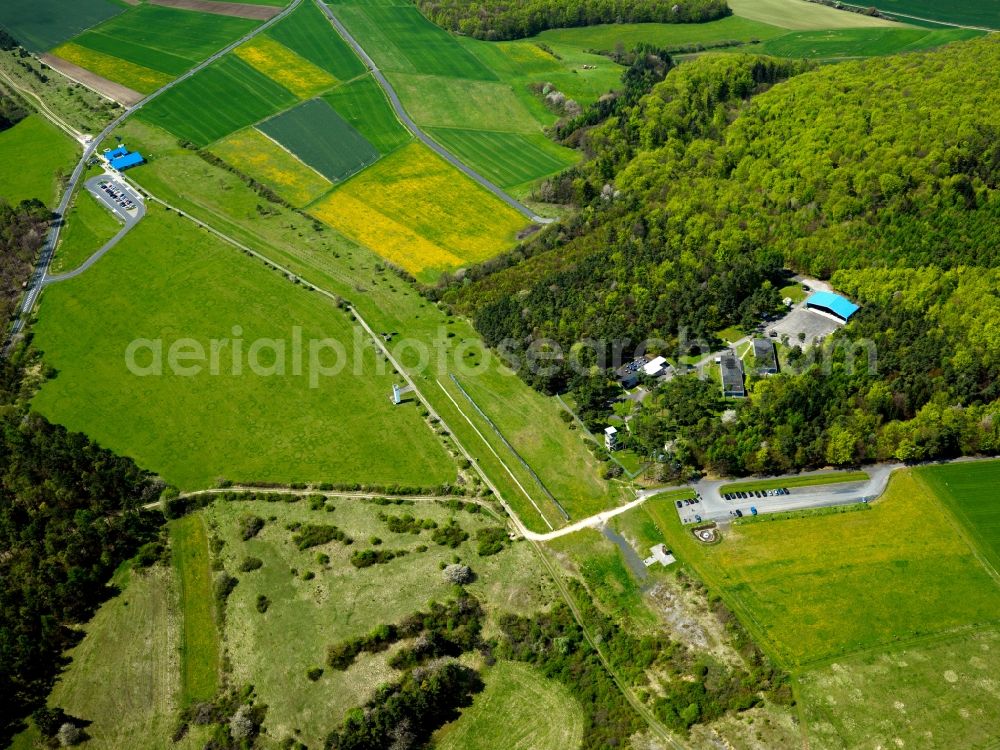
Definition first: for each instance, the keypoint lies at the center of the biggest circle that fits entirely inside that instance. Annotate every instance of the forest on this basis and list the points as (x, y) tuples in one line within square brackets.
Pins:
[(496, 20), (696, 199)]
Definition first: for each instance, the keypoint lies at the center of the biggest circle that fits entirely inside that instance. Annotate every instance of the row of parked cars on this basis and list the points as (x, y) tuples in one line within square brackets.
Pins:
[(117, 195), (755, 493)]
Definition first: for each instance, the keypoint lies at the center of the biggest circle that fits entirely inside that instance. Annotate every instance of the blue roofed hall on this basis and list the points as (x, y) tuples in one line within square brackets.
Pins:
[(128, 160), (832, 304)]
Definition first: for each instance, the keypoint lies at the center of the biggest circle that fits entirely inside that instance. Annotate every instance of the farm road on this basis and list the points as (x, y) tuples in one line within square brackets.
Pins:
[(37, 280), (405, 118)]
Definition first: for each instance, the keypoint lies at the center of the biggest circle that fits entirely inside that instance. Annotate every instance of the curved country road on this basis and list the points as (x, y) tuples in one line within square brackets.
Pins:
[(405, 118), (37, 280)]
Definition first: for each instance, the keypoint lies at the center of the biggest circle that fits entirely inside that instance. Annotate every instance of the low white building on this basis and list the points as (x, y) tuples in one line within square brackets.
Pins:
[(659, 554), (655, 367)]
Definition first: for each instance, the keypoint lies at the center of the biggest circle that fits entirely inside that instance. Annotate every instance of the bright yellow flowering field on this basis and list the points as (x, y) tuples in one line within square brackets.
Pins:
[(417, 211), (256, 155), (280, 64), (136, 77)]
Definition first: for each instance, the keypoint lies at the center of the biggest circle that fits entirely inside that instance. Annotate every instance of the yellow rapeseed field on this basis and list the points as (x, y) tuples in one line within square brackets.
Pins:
[(280, 64), (136, 77), (256, 155), (417, 211)]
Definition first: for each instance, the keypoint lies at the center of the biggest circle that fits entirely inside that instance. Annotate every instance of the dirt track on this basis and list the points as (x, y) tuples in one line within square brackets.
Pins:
[(121, 94), (240, 10)]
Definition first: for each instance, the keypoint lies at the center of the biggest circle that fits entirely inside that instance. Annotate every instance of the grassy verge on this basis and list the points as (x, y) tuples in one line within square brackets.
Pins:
[(200, 637), (811, 480)]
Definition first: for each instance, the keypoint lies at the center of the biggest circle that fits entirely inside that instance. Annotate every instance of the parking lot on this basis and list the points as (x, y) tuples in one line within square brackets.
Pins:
[(812, 325), (691, 511), (117, 197)]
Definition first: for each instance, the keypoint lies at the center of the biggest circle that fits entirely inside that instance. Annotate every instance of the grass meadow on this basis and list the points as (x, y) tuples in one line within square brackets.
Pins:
[(169, 280), (225, 97), (331, 260), (666, 35), (420, 213), (277, 62), (199, 650), (256, 155), (436, 101), (518, 710), (401, 40), (40, 25), (817, 588), (88, 226), (363, 104), (321, 138), (274, 650), (968, 490), (32, 154), (307, 32)]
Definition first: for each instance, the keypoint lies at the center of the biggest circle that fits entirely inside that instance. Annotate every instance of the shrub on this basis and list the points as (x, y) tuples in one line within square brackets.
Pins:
[(224, 586), (314, 673), (451, 535), (251, 563), (250, 526), (491, 540), (262, 603), (458, 574), (313, 535)]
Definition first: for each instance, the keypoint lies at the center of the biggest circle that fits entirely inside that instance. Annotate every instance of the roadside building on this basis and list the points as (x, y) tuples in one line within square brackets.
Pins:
[(659, 554), (731, 373), (611, 438), (831, 305), (765, 357), (656, 367)]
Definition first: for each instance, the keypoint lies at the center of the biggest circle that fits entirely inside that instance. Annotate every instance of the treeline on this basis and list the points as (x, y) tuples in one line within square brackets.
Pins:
[(695, 199), (70, 513), (22, 234), (499, 19)]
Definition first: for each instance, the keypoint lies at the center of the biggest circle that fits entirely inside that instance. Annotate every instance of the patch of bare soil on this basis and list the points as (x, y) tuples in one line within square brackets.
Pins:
[(239, 10), (117, 92)]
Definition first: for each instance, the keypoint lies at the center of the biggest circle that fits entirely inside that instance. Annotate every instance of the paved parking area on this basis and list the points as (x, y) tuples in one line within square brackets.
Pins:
[(113, 195), (802, 320)]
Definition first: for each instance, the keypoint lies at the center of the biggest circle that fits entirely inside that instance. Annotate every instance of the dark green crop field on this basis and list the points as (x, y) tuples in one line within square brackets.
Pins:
[(363, 104), (323, 139), (307, 32), (164, 39), (969, 490), (221, 99), (842, 43), (42, 24), (984, 13)]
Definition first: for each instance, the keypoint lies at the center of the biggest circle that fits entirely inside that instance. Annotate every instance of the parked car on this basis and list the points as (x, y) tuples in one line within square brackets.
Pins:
[(680, 504), (739, 513)]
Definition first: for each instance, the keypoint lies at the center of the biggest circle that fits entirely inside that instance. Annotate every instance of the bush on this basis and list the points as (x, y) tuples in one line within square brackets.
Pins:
[(250, 526), (149, 554), (368, 557), (458, 574), (314, 673), (224, 586), (262, 603), (491, 540), (451, 535), (313, 535), (251, 563)]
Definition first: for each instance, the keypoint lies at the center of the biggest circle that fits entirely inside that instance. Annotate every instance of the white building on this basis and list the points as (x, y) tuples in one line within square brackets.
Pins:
[(655, 367), (659, 554), (611, 438)]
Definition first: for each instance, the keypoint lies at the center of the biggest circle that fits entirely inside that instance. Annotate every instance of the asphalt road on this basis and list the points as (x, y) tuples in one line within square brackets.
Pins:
[(37, 280), (405, 118), (129, 218)]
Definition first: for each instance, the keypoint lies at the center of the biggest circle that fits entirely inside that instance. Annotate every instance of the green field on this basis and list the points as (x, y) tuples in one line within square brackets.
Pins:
[(184, 284), (308, 32), (518, 710), (42, 24), (799, 14), (969, 491), (846, 43), (666, 35), (164, 39), (453, 103), (400, 39), (508, 159), (272, 651), (820, 587), (88, 226), (806, 480), (324, 140), (354, 272), (940, 694), (124, 675), (225, 97), (363, 104), (199, 650), (32, 154), (984, 13)]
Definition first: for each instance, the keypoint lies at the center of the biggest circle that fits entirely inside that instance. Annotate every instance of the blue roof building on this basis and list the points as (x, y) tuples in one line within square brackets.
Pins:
[(127, 160), (116, 152), (832, 304)]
